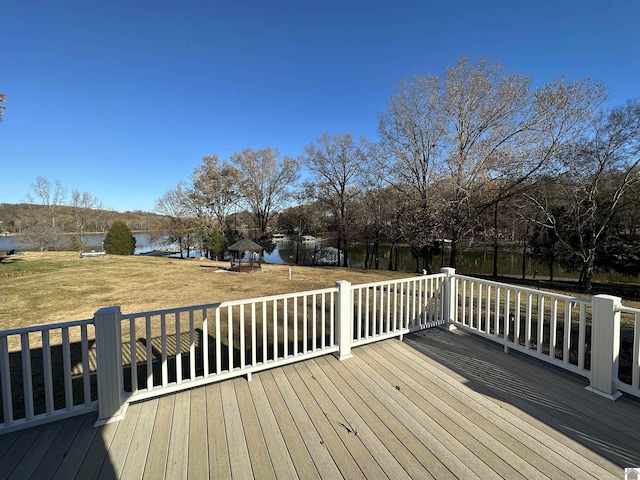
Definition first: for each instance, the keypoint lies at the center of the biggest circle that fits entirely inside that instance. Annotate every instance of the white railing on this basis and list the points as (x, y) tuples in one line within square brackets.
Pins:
[(52, 371), (394, 308), (46, 373), (551, 327), (586, 337), (169, 350), (630, 351)]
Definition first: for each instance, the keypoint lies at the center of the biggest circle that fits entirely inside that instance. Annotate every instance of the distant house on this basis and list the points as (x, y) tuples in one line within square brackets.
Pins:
[(308, 238)]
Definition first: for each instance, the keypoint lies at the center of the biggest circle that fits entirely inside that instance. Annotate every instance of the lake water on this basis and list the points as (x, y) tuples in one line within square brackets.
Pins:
[(509, 262)]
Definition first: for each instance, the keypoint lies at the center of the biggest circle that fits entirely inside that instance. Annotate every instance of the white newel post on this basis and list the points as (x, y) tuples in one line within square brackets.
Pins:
[(450, 297), (344, 320), (605, 345), (111, 407)]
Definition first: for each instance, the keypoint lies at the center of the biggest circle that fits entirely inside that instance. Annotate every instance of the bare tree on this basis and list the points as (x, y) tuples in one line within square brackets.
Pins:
[(476, 136), (265, 183), (3, 98), (50, 195), (39, 223), (338, 166), (215, 191), (179, 226), (411, 133), (83, 205), (597, 172)]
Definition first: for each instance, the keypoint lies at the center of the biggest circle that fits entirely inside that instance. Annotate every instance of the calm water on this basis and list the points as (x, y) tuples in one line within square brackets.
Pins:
[(93, 241), (509, 263)]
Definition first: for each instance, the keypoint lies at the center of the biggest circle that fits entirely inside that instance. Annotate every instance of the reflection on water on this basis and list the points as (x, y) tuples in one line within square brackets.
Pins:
[(478, 262)]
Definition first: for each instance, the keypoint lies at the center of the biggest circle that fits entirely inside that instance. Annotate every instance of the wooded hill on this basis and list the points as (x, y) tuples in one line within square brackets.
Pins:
[(14, 217)]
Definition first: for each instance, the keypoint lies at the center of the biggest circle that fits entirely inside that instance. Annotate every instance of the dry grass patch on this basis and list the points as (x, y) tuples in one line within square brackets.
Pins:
[(49, 287)]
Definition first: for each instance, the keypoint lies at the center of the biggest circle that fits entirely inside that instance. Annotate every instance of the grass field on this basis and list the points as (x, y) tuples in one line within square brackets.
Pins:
[(48, 287)]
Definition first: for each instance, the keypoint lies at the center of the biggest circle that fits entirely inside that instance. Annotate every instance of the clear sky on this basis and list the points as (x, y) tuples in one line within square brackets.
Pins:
[(123, 98)]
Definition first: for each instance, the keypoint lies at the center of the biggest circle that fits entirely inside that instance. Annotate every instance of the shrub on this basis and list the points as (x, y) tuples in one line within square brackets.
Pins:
[(119, 240)]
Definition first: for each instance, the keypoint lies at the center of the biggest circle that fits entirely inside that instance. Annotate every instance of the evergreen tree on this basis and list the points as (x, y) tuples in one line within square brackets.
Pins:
[(119, 240)]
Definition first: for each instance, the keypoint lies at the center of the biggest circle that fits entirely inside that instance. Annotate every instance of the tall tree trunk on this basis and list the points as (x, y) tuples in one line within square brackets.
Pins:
[(524, 253), (367, 254), (454, 253), (495, 240)]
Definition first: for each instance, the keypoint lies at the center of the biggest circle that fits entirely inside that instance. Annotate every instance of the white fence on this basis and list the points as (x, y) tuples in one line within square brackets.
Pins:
[(52, 371), (598, 339), (47, 373)]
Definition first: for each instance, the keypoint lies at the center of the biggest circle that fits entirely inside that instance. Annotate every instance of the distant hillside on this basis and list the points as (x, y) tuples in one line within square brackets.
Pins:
[(13, 215)]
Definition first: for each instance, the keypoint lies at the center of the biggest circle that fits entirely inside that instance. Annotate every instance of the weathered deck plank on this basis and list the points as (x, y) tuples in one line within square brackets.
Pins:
[(77, 450), (325, 418), (156, 461), (198, 467), (563, 412), (308, 432), (56, 454), (238, 450), (301, 457), (256, 445), (121, 441), (438, 405), (178, 453), (475, 439), (219, 466), (525, 461), (404, 445), (280, 458), (133, 468), (97, 457)]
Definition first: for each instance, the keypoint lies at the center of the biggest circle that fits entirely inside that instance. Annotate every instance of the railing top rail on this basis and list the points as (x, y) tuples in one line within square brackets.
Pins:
[(632, 310), (48, 326), (228, 303), (525, 289), (399, 280)]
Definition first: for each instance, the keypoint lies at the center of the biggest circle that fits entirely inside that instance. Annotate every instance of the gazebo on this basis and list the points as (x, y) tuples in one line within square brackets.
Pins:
[(245, 256)]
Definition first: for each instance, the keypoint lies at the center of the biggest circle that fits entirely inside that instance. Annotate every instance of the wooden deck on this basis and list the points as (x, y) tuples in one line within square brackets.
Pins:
[(438, 405)]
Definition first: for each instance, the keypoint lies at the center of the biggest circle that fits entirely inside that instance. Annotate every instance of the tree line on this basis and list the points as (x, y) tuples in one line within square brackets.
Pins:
[(476, 154), (52, 218)]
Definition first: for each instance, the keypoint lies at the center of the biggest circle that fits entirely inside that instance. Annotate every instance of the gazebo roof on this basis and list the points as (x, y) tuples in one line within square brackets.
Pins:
[(245, 245)]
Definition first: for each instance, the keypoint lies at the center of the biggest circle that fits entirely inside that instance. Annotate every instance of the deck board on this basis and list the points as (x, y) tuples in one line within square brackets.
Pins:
[(178, 453), (437, 405), (556, 457), (404, 445), (133, 468), (583, 418), (325, 417), (198, 467), (77, 450), (121, 442), (457, 403), (308, 432), (305, 468), (238, 449), (218, 463), (37, 450), (280, 458), (473, 437), (256, 445), (155, 463), (50, 463)]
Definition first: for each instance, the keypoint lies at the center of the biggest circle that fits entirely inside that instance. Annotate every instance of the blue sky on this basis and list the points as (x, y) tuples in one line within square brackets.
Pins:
[(123, 98)]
